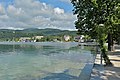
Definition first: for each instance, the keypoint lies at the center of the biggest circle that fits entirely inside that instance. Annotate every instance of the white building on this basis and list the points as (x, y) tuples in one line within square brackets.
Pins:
[(66, 37), (38, 37)]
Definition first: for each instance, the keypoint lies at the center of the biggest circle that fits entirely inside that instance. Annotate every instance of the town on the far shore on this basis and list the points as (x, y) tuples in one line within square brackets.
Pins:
[(42, 35), (65, 38)]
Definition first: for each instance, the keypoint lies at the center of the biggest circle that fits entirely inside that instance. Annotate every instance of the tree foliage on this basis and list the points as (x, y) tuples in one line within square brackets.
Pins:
[(98, 18), (91, 13)]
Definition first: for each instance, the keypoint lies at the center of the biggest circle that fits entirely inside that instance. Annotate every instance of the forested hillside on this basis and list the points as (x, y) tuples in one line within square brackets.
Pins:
[(9, 34)]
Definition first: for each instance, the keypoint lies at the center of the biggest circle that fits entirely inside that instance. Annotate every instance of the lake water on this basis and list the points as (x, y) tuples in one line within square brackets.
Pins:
[(45, 61)]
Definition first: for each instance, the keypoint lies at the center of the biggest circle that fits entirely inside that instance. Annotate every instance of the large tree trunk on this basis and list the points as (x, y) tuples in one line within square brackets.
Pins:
[(104, 55), (110, 42), (106, 58), (118, 40)]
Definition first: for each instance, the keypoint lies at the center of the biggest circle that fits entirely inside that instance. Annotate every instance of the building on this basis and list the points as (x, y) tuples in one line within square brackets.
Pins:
[(38, 37), (67, 37), (79, 38), (25, 39)]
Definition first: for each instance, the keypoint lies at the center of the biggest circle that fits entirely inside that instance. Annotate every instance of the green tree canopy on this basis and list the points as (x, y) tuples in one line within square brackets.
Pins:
[(91, 13), (97, 18)]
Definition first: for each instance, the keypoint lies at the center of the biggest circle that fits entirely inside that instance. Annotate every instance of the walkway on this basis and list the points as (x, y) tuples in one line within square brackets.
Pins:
[(99, 72)]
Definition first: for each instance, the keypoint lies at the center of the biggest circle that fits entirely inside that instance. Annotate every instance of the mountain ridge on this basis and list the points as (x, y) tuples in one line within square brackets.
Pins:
[(8, 33)]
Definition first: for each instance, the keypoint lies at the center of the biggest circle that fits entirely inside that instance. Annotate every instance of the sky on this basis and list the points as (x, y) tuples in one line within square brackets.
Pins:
[(22, 14)]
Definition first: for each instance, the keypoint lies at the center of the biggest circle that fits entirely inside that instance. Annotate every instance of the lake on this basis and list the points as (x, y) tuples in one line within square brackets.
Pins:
[(45, 61)]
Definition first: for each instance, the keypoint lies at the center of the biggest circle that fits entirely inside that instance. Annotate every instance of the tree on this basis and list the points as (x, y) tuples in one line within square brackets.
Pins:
[(97, 18)]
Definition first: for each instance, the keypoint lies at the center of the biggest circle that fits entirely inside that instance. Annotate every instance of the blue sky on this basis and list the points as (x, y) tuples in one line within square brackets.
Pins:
[(6, 2), (20, 14), (67, 6)]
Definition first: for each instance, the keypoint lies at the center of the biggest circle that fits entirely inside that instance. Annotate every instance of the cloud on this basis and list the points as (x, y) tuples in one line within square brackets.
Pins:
[(68, 1), (2, 10), (33, 13), (58, 11)]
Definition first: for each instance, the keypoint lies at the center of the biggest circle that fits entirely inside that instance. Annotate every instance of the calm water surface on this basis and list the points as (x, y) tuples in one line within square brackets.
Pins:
[(43, 61)]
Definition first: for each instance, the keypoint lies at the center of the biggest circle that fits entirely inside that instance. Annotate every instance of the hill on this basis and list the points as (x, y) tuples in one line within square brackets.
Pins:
[(30, 32)]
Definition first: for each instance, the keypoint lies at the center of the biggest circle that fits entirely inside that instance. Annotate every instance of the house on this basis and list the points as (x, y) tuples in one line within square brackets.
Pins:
[(25, 39), (38, 37), (79, 38), (67, 37)]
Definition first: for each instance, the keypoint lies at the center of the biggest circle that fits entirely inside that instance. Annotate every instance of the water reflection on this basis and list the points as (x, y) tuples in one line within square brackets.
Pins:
[(43, 62)]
